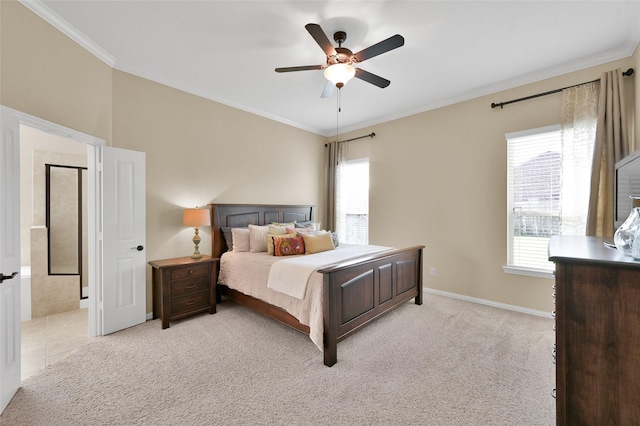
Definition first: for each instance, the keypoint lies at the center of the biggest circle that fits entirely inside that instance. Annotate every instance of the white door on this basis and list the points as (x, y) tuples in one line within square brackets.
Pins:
[(9, 257), (123, 233)]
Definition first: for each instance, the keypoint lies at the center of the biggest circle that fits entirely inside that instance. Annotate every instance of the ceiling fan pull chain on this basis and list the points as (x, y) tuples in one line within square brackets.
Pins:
[(338, 117)]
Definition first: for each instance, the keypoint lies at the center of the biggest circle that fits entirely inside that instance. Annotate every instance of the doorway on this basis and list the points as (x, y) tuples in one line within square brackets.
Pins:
[(116, 202), (53, 227), (90, 147)]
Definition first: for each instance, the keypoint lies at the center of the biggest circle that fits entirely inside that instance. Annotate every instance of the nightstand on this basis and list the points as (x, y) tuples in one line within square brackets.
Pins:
[(183, 287)]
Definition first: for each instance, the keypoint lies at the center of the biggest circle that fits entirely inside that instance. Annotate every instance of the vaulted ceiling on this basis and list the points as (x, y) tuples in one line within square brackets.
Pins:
[(227, 51)]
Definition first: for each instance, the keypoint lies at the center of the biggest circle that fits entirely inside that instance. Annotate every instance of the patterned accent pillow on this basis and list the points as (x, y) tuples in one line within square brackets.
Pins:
[(288, 246), (271, 237), (318, 243)]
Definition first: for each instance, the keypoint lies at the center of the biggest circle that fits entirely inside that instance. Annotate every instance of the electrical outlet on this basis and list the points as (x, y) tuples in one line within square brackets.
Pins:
[(432, 271)]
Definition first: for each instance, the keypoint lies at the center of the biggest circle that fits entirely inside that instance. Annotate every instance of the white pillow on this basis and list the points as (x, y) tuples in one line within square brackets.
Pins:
[(240, 239), (258, 238)]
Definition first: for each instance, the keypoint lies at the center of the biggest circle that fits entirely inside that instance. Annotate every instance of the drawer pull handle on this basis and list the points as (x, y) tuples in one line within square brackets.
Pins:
[(190, 271), (191, 302), (190, 286)]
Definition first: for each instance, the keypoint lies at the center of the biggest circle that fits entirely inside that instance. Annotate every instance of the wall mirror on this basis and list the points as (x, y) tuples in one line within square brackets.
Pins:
[(66, 221)]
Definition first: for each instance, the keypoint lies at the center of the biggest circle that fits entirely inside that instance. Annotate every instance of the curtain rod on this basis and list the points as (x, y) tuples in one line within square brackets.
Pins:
[(370, 135), (502, 104)]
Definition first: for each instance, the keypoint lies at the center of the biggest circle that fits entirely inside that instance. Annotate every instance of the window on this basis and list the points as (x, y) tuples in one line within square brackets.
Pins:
[(548, 194), (353, 205)]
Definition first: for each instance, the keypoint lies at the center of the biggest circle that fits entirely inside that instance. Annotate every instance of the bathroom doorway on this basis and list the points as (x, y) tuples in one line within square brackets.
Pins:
[(53, 227)]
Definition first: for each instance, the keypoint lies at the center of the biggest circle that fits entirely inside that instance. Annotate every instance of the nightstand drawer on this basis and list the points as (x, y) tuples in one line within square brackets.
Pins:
[(190, 271), (194, 285), (189, 303)]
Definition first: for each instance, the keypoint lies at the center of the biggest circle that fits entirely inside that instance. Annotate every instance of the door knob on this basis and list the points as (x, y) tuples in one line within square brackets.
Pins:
[(7, 277), (139, 248)]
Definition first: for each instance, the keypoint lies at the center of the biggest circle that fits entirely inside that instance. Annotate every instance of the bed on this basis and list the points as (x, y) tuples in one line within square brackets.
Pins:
[(343, 297)]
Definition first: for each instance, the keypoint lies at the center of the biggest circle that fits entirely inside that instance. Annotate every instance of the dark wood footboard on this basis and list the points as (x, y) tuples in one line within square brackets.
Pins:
[(358, 292)]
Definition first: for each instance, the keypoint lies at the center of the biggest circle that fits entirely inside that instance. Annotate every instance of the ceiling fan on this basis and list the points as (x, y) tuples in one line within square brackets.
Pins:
[(340, 68)]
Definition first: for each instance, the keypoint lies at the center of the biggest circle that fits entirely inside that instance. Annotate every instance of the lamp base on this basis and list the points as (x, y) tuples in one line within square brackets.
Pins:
[(196, 241)]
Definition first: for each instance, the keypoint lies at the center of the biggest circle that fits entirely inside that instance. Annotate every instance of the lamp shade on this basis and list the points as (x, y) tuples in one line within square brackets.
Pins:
[(339, 74), (196, 217)]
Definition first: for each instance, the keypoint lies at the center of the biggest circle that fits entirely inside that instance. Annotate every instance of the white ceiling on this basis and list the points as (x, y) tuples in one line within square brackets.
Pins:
[(454, 50)]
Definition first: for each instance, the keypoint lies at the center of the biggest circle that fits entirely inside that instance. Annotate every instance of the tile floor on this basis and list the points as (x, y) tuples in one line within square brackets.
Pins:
[(46, 340)]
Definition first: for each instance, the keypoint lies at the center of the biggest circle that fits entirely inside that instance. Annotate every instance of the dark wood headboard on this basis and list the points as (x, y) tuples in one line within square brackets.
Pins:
[(241, 215)]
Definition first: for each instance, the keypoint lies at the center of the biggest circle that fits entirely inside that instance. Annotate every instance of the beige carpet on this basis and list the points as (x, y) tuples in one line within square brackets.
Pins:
[(447, 362)]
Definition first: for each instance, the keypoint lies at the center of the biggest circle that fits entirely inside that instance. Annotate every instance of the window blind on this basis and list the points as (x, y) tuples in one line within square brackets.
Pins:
[(355, 190), (534, 164)]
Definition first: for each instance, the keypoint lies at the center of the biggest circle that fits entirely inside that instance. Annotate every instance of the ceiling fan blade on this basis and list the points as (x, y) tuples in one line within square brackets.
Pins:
[(372, 78), (329, 88), (384, 46), (302, 68), (321, 38)]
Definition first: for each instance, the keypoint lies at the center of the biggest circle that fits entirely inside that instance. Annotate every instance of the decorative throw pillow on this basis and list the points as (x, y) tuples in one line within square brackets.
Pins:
[(300, 230), (318, 243), (228, 237), (258, 238), (285, 224), (271, 237), (278, 230), (308, 223), (288, 246), (334, 238), (240, 239)]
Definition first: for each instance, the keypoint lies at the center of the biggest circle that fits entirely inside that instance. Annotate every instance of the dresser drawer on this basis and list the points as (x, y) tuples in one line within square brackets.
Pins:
[(190, 286), (189, 303), (190, 271)]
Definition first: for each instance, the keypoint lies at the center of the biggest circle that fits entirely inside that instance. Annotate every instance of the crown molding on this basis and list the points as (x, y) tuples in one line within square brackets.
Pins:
[(37, 7)]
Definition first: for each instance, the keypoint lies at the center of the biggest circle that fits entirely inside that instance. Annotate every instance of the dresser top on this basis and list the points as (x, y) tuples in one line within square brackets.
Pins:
[(587, 249)]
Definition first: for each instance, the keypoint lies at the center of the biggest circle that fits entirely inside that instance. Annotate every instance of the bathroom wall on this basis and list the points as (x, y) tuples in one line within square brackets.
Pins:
[(54, 150)]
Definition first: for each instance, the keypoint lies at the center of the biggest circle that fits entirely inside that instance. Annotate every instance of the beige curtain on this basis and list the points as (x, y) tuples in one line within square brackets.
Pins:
[(336, 157), (611, 145), (578, 134)]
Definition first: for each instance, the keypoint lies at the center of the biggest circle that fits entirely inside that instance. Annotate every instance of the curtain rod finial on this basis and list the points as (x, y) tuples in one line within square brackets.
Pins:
[(628, 72)]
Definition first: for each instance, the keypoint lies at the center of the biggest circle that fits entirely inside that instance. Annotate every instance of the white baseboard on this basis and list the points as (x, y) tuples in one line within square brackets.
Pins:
[(489, 303), (149, 316)]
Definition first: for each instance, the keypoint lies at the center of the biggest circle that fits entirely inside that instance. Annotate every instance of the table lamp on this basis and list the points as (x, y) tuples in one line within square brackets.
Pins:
[(196, 218)]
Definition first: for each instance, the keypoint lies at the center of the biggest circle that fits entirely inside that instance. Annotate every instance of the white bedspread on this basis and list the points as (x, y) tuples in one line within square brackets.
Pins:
[(291, 275)]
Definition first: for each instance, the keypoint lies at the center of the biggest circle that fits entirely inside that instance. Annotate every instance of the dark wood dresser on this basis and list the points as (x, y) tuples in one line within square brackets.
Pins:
[(183, 287), (597, 296)]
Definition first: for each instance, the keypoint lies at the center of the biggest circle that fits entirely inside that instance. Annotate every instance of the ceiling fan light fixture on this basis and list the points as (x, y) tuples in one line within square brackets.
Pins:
[(339, 74)]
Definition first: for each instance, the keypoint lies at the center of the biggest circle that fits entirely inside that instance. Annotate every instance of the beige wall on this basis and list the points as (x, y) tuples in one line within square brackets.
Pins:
[(439, 179), (636, 67), (44, 73), (200, 152), (52, 149)]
